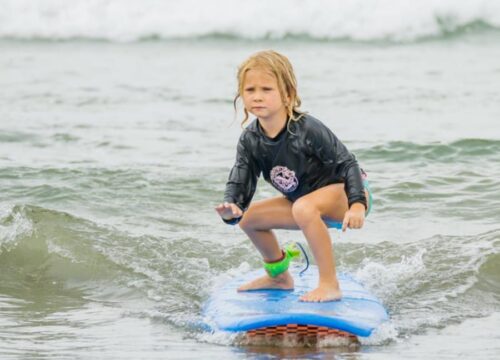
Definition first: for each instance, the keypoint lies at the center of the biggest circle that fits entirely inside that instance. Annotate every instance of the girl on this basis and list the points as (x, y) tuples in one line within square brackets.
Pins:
[(319, 178)]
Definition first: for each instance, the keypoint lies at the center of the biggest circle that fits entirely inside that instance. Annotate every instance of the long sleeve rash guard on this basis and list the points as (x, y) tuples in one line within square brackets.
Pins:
[(304, 157)]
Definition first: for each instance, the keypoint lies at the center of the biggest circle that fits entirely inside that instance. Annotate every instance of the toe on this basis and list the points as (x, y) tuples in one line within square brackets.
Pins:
[(308, 298)]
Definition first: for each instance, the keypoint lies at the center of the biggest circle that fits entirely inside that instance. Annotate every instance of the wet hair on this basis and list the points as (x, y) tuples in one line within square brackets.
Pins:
[(279, 66)]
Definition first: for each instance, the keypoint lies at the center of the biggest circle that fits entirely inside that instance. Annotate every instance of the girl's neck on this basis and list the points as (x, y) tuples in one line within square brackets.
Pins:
[(273, 127)]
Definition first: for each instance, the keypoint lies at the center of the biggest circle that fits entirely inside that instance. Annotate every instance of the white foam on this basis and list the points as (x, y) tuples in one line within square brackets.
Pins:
[(61, 251), (130, 20), (13, 225), (223, 278), (386, 278), (218, 337), (382, 335)]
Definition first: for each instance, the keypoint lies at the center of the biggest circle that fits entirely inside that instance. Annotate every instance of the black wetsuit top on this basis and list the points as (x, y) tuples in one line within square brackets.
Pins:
[(303, 157)]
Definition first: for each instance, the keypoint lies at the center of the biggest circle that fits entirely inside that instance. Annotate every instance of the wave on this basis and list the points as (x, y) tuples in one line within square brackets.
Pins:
[(55, 255), (427, 283), (37, 242), (134, 20), (459, 175), (62, 256), (432, 282), (462, 150)]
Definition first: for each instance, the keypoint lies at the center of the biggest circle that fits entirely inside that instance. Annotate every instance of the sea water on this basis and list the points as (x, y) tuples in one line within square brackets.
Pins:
[(117, 133)]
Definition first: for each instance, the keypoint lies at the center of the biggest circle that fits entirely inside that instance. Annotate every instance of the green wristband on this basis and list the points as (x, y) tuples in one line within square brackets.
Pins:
[(275, 268)]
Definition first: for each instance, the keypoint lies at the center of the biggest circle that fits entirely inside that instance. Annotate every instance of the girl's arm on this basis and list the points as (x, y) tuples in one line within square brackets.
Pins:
[(333, 154), (240, 186)]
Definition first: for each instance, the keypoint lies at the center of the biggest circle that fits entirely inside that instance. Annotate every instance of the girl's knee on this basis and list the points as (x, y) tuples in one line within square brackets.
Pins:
[(249, 220), (245, 222), (303, 212)]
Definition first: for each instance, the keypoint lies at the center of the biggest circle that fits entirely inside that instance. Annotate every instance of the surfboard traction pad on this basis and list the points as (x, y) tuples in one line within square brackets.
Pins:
[(301, 333)]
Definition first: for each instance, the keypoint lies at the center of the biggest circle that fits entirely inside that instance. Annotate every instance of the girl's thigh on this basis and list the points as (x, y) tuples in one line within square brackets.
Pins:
[(330, 201), (274, 213)]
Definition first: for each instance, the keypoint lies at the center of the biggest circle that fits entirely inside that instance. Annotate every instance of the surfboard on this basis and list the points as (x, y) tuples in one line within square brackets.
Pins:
[(266, 312)]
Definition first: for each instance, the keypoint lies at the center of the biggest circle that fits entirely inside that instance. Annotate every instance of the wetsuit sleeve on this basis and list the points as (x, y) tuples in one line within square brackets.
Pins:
[(242, 182), (335, 156)]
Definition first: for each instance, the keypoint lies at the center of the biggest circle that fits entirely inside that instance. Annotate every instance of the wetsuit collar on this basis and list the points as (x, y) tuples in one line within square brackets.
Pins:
[(278, 137)]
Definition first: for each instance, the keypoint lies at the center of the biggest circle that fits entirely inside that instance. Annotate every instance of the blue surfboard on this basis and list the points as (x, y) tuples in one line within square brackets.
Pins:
[(358, 312)]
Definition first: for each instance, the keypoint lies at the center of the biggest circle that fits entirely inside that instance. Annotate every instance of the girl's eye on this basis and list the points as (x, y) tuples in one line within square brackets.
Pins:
[(267, 89)]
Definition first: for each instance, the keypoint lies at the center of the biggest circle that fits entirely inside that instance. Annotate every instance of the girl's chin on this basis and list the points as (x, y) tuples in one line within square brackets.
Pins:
[(256, 113)]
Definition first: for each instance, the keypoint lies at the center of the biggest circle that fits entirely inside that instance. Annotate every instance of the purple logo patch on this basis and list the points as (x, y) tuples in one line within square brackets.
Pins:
[(284, 179)]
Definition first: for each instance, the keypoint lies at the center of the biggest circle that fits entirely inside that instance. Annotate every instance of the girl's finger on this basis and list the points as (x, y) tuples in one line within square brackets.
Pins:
[(345, 223)]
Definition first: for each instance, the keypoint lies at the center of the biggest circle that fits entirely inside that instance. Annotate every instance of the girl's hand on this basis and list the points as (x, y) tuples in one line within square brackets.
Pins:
[(354, 218), (228, 211)]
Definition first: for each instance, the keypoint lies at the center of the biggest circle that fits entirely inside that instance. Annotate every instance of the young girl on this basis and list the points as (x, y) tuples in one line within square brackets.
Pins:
[(319, 178)]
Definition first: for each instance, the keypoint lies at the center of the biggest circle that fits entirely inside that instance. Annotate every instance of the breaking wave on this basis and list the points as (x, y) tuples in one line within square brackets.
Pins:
[(133, 20)]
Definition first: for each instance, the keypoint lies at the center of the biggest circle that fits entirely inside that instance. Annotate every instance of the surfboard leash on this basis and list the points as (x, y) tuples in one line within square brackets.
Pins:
[(305, 256)]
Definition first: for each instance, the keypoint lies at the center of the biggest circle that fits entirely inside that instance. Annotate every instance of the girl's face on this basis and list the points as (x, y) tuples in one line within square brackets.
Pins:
[(262, 97)]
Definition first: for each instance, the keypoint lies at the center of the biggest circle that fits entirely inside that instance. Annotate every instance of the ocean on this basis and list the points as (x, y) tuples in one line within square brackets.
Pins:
[(117, 134)]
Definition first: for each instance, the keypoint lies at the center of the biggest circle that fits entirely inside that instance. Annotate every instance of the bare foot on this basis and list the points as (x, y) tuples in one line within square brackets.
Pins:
[(283, 281), (323, 293)]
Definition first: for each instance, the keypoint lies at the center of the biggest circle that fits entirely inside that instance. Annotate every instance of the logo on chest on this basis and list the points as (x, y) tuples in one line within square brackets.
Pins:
[(284, 179)]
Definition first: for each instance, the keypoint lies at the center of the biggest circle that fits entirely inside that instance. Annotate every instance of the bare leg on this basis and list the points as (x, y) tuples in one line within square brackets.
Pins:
[(260, 218), (320, 243), (329, 201), (305, 214)]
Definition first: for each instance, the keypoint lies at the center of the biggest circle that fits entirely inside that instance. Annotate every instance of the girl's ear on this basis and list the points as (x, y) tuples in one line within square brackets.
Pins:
[(287, 100)]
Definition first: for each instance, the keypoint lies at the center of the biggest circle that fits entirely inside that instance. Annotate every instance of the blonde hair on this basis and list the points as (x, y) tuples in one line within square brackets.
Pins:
[(282, 69)]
